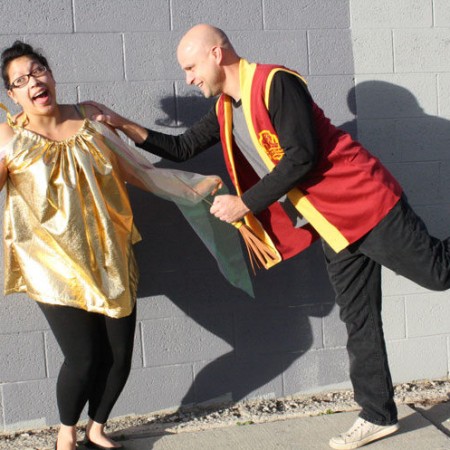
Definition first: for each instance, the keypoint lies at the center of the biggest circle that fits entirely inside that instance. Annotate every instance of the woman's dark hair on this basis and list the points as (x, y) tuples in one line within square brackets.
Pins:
[(17, 50)]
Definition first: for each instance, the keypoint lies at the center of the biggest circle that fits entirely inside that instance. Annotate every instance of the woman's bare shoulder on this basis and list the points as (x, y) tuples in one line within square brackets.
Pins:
[(6, 133), (90, 110)]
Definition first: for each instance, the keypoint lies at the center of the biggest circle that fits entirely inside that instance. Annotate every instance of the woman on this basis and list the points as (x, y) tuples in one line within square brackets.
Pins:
[(69, 233)]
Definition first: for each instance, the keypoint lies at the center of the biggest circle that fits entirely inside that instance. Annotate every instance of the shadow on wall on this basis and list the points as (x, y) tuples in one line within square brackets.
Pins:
[(391, 123), (265, 336), (261, 337), (412, 144)]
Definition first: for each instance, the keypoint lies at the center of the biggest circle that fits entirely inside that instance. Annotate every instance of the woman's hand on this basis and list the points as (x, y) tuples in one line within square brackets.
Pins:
[(6, 134), (3, 173)]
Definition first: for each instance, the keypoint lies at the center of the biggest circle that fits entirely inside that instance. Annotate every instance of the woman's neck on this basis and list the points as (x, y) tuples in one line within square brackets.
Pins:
[(63, 122)]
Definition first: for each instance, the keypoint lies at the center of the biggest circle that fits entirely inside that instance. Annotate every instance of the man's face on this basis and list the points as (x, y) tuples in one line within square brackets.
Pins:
[(201, 68)]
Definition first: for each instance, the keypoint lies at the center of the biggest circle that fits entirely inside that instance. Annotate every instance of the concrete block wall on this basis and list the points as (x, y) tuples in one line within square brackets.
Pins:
[(380, 69)]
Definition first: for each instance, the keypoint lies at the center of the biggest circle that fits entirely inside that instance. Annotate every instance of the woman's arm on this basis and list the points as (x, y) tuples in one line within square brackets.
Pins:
[(6, 134)]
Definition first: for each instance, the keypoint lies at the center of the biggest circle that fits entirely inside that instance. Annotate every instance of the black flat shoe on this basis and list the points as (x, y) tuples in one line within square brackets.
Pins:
[(89, 444)]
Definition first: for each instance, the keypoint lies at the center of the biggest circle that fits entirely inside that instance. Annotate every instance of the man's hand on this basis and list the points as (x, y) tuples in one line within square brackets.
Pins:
[(109, 117), (106, 115), (228, 208)]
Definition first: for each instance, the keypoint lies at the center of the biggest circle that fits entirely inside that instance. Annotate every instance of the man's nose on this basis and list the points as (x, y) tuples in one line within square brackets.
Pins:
[(189, 78)]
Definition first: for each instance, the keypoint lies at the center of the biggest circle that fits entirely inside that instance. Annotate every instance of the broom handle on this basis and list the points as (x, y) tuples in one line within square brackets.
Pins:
[(192, 189)]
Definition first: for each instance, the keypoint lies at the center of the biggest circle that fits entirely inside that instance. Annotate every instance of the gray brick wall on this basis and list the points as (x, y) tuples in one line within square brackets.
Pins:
[(376, 66)]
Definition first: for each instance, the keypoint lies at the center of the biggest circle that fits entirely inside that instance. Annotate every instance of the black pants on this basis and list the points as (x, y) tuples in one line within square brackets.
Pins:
[(401, 243), (97, 360)]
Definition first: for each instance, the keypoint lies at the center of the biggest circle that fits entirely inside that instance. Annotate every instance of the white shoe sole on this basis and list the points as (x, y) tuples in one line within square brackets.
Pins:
[(373, 437)]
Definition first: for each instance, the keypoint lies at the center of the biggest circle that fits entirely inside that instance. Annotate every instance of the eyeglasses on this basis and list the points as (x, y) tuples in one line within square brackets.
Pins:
[(23, 80)]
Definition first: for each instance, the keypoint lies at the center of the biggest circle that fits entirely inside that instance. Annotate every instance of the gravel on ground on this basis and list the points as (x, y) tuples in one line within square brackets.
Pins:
[(419, 393)]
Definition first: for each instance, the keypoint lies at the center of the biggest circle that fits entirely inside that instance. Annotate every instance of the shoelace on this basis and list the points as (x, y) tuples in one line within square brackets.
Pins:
[(356, 428)]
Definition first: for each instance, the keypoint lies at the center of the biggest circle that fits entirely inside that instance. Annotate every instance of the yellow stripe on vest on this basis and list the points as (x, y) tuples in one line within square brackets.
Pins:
[(327, 230), (250, 220)]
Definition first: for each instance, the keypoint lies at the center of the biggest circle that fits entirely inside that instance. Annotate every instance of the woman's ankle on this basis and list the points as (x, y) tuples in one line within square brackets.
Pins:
[(67, 437)]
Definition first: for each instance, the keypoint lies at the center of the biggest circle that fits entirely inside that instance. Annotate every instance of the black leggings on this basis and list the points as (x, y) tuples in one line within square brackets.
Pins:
[(97, 360)]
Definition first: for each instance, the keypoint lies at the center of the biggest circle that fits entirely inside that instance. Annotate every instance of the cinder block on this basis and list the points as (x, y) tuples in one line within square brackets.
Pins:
[(415, 135), (387, 14), (444, 95), (2, 419), (152, 56), (30, 405), (394, 318), (418, 359), (330, 52), (92, 57), (441, 13), (334, 331), (191, 104), (407, 174), (427, 314), (43, 16), (221, 13), (299, 281), (395, 285), (285, 47), (21, 314), (305, 14), (422, 50), (448, 354), (158, 307), (54, 356), (154, 389), (231, 379), (274, 331), (7, 39), (380, 137), (22, 356), (120, 16), (67, 93), (436, 217), (334, 94), (316, 369), (180, 340), (394, 96), (372, 51), (138, 101)]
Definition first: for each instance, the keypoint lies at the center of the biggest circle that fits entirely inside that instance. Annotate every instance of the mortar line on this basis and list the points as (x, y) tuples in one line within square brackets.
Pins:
[(73, 16)]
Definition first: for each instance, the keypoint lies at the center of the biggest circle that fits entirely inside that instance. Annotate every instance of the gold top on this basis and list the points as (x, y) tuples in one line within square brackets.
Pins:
[(68, 228)]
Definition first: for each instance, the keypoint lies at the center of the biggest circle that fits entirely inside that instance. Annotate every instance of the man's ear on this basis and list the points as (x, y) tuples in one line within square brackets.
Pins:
[(217, 53)]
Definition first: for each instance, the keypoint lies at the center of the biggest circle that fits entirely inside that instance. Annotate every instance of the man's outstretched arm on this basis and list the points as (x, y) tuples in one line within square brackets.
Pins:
[(202, 135)]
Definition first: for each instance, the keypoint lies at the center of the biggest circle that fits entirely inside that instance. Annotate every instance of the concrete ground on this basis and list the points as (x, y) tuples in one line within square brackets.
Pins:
[(427, 428)]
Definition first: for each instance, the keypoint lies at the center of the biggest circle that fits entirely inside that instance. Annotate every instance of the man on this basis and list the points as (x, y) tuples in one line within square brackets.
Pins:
[(277, 144)]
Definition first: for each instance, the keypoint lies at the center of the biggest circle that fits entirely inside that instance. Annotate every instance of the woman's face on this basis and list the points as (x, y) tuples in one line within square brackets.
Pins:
[(34, 93)]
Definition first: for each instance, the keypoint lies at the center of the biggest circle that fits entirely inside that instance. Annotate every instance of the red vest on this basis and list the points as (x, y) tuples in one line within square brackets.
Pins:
[(346, 194)]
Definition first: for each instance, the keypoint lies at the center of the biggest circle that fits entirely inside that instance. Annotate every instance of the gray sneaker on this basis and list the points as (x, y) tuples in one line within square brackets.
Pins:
[(361, 433)]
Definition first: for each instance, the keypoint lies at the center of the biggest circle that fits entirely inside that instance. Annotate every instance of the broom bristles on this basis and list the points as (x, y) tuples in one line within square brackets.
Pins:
[(260, 254)]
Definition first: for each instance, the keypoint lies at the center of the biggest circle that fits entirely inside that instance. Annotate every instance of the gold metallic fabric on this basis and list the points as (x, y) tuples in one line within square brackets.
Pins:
[(68, 228)]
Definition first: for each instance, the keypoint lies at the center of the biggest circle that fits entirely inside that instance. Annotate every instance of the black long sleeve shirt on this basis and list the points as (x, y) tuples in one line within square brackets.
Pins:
[(290, 110)]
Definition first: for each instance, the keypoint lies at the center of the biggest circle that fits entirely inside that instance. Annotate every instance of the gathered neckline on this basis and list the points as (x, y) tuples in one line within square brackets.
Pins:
[(70, 138)]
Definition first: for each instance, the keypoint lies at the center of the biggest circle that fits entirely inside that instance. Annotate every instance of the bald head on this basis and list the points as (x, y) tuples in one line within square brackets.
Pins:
[(203, 37), (209, 60)]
